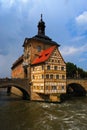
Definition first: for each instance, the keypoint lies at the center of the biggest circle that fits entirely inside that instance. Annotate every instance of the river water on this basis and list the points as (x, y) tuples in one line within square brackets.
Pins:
[(18, 114)]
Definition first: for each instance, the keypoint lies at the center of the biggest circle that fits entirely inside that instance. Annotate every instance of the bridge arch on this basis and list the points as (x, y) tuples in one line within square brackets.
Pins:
[(21, 87), (76, 89)]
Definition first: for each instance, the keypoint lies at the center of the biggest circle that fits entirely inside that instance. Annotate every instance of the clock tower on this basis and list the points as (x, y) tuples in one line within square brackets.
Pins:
[(33, 46)]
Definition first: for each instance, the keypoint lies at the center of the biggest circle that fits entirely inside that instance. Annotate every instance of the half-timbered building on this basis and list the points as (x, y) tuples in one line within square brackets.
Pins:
[(43, 65)]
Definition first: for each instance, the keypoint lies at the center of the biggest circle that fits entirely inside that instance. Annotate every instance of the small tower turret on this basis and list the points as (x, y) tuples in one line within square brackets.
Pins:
[(41, 27)]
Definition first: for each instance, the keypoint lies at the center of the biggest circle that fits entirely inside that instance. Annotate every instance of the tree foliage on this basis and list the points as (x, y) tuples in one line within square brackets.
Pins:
[(72, 71)]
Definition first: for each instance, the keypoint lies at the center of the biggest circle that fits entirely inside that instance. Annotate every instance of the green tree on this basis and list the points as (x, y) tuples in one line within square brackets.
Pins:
[(82, 73), (71, 70)]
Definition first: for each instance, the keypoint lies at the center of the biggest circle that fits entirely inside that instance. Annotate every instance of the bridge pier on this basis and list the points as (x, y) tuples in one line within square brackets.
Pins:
[(9, 90), (26, 96)]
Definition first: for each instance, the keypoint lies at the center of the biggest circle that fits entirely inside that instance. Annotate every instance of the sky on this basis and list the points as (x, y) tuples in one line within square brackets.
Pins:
[(66, 24)]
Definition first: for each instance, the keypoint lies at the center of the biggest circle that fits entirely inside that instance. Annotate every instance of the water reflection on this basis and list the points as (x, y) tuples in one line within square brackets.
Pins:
[(16, 114)]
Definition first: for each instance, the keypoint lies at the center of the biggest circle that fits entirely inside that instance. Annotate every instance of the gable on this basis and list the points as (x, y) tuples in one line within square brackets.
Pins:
[(56, 58)]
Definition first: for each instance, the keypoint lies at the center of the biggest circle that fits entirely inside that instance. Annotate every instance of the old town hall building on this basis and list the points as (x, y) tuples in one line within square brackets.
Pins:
[(43, 65)]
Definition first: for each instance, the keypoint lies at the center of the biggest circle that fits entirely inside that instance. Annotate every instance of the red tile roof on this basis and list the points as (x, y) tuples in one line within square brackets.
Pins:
[(44, 55)]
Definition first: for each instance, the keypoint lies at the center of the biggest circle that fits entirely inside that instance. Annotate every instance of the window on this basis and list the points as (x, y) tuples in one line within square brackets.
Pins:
[(46, 87), (54, 88), (55, 67), (51, 76), (57, 76), (40, 56), (47, 76), (46, 54), (62, 68), (48, 67), (38, 48), (62, 87), (63, 76), (25, 72)]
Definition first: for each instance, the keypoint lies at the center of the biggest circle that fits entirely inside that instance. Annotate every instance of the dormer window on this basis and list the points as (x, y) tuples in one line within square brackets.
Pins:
[(46, 54), (38, 48), (40, 56)]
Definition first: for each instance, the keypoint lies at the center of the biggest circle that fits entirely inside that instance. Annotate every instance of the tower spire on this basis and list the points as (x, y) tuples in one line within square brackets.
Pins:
[(41, 27), (41, 17)]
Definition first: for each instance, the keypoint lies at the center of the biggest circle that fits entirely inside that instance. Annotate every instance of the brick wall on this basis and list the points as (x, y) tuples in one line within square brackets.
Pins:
[(18, 71)]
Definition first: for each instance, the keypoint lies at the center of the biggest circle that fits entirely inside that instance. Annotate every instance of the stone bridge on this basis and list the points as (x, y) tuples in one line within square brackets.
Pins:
[(82, 82), (74, 85), (77, 86), (21, 84)]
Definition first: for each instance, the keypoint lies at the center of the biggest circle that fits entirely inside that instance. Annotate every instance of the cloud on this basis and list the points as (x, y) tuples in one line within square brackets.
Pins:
[(71, 50), (77, 38), (76, 55), (81, 23), (82, 19), (7, 3), (68, 50)]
